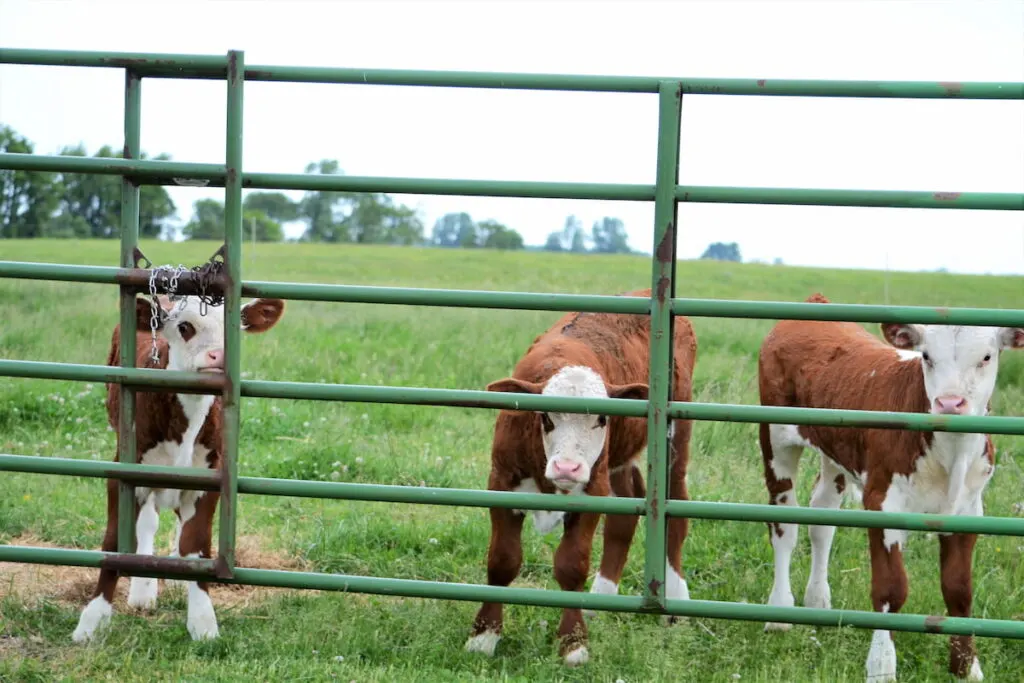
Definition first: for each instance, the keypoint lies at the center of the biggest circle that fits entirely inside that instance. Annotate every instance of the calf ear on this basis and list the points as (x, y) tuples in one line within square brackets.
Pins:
[(259, 315), (637, 391), (1011, 338), (902, 336), (144, 308), (511, 385)]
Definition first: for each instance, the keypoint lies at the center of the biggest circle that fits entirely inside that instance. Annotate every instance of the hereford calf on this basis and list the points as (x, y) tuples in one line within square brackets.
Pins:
[(182, 430), (936, 369), (592, 355)]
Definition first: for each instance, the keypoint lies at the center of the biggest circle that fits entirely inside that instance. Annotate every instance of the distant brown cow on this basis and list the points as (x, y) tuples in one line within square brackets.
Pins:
[(593, 355), (936, 369), (180, 430)]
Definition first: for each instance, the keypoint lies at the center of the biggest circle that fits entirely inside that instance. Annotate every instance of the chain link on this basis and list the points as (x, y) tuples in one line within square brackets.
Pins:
[(204, 275)]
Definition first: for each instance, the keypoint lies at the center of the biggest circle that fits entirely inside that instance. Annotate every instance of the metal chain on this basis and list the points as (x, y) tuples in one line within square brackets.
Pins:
[(204, 276)]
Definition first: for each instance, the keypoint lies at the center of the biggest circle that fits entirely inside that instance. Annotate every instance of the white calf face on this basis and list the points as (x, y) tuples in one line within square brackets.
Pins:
[(195, 341), (959, 363), (573, 442)]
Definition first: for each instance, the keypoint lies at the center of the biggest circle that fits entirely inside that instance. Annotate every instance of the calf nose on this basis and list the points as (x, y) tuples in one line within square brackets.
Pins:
[(215, 359), (567, 467), (950, 405)]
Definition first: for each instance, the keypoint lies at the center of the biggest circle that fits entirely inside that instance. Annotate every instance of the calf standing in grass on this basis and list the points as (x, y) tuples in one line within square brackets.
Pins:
[(937, 369), (587, 355), (181, 430)]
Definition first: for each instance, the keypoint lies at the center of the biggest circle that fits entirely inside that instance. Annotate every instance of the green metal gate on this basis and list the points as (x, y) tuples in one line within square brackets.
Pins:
[(662, 307)]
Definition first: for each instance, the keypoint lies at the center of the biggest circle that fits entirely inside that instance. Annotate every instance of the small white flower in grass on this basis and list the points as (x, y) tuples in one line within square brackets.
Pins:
[(316, 652), (815, 641), (432, 541), (95, 456), (735, 677), (335, 475), (246, 373), (438, 461), (365, 416), (1018, 508), (359, 460), (305, 424), (16, 410), (339, 658), (336, 464), (79, 420), (543, 623), (620, 680), (323, 419), (344, 468), (68, 447)]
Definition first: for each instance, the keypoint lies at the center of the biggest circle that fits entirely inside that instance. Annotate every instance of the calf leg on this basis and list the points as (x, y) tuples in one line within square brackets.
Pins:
[(956, 553), (142, 590), (781, 453), (195, 541), (888, 591), (828, 494), (572, 563), (98, 611), (504, 559), (675, 584), (619, 530)]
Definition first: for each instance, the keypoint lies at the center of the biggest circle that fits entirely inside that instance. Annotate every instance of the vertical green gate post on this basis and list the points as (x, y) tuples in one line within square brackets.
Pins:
[(663, 290), (232, 316), (129, 241)]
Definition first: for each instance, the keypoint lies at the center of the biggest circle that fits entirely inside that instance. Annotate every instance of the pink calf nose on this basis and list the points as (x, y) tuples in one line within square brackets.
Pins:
[(563, 467), (951, 405), (215, 359)]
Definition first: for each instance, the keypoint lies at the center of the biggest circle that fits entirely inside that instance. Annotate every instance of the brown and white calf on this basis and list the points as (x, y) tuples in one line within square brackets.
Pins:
[(591, 355), (182, 430), (938, 369)]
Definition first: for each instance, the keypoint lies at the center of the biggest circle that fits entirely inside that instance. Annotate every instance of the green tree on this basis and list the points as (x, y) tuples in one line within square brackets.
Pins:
[(275, 205), (494, 235), (376, 219), (720, 251), (267, 229), (320, 209), (453, 229), (609, 236), (27, 199), (207, 221), (554, 242), (573, 238), (96, 199)]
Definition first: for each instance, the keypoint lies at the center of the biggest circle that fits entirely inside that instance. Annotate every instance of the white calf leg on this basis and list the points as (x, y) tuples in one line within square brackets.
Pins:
[(828, 494), (95, 616), (142, 591), (784, 464), (201, 620), (881, 663), (601, 586)]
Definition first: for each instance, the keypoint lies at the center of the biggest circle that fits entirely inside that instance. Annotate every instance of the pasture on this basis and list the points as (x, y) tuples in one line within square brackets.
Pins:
[(306, 636)]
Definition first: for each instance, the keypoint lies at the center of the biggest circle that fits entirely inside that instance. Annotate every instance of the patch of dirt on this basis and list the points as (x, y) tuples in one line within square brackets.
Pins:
[(74, 585)]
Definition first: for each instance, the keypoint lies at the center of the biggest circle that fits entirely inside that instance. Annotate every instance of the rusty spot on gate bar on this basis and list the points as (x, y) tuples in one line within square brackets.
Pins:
[(760, 83), (654, 585), (952, 89), (946, 196), (933, 623)]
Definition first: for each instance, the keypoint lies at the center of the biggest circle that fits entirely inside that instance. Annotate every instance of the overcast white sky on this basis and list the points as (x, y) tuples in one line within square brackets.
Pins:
[(521, 135)]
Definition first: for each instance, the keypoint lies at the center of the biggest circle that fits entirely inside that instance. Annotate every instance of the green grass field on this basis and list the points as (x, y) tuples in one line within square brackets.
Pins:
[(276, 635)]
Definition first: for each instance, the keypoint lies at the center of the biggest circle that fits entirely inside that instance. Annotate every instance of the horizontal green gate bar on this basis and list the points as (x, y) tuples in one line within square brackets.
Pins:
[(995, 201), (469, 592), (163, 380), (538, 301), (423, 495), (142, 63), (143, 378), (150, 172), (158, 65), (445, 186), (191, 478), (139, 169)]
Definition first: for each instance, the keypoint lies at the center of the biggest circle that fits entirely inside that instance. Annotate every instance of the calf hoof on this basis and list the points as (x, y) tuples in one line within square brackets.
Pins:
[(577, 656), (95, 616), (201, 620), (975, 673), (818, 596), (484, 643), (142, 593)]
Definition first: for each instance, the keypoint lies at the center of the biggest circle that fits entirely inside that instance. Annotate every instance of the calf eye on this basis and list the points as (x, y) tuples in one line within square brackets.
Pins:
[(926, 357), (987, 358), (546, 421), (186, 331)]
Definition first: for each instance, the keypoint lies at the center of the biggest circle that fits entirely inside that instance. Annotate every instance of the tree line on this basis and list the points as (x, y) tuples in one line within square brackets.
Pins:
[(74, 205)]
